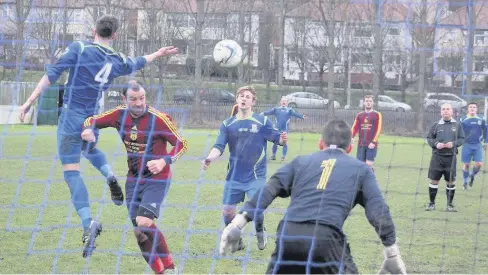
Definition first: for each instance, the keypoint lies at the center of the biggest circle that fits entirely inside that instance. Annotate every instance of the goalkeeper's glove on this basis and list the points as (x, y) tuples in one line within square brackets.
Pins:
[(393, 262), (232, 234)]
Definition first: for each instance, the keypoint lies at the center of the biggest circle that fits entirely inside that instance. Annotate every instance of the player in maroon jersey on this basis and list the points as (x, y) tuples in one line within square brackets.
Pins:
[(368, 124), (145, 133)]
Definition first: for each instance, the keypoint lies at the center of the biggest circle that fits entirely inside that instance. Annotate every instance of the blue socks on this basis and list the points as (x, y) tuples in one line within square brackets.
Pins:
[(285, 150), (275, 149), (465, 176), (98, 159), (79, 196)]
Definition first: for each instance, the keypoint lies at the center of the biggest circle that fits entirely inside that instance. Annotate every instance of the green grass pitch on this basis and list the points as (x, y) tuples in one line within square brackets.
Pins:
[(431, 242)]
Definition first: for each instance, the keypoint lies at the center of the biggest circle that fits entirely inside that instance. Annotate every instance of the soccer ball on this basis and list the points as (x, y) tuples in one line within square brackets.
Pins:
[(227, 53)]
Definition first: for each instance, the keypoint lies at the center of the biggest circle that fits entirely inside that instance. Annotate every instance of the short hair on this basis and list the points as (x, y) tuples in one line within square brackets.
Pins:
[(368, 96), (248, 88), (133, 85), (337, 132), (473, 103), (107, 25)]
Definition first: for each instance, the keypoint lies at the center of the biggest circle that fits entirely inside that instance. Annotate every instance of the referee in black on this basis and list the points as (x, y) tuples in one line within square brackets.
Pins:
[(445, 136), (323, 187)]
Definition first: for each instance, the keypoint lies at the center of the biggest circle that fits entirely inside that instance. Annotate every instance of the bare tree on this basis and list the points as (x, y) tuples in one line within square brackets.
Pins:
[(333, 23), (452, 62), (298, 50), (22, 12)]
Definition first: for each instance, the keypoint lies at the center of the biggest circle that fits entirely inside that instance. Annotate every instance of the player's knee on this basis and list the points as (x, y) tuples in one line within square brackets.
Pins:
[(466, 166), (479, 164), (434, 182), (140, 236), (71, 167), (144, 221), (229, 211)]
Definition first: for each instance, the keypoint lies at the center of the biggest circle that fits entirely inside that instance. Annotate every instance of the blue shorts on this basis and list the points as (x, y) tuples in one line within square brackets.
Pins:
[(145, 199), (69, 142), (472, 152), (364, 153), (235, 192)]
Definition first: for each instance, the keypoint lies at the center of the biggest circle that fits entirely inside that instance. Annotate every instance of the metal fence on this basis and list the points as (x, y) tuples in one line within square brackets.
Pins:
[(210, 116)]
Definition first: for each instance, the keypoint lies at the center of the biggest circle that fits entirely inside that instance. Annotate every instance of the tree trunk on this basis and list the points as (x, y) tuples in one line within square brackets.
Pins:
[(282, 46), (377, 55), (331, 50), (242, 34), (422, 68), (198, 60), (469, 54)]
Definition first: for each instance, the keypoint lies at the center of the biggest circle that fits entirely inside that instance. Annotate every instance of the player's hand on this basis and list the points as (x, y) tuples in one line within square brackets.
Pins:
[(156, 165), (393, 262), (88, 135), (283, 138), (205, 163), (440, 145), (484, 146), (165, 51), (304, 116), (24, 109), (449, 145), (229, 241), (371, 145)]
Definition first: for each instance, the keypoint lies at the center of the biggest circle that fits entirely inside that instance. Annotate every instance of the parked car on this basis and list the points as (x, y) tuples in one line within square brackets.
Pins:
[(387, 103), (207, 96), (437, 99), (308, 100)]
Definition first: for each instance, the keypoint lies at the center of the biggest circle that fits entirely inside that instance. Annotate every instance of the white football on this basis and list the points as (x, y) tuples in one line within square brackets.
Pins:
[(227, 53)]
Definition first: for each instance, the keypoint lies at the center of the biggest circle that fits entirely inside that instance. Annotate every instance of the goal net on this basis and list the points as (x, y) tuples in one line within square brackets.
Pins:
[(380, 47)]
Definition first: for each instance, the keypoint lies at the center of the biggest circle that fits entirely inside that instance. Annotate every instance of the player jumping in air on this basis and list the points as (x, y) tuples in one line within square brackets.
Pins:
[(283, 115), (368, 124), (92, 67), (475, 131), (246, 134), (324, 187), (146, 133)]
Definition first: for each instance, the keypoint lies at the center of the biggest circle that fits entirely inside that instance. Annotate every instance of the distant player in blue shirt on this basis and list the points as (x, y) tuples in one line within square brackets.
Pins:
[(283, 115), (247, 134), (92, 67), (475, 131)]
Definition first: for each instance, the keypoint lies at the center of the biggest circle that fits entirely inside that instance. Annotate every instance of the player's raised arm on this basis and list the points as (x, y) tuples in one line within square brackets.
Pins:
[(269, 112), (167, 129), (379, 217), (67, 61), (218, 148)]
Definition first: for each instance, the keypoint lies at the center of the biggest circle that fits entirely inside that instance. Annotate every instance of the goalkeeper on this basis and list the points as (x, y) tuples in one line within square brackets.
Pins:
[(145, 133), (323, 187)]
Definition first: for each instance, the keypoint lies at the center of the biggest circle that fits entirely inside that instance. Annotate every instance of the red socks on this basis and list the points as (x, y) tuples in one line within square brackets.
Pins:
[(162, 247)]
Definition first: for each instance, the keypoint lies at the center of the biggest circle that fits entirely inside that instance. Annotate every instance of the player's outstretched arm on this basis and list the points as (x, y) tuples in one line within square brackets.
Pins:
[(272, 134), (269, 112), (162, 52), (378, 214), (110, 118), (67, 60), (298, 115), (218, 148)]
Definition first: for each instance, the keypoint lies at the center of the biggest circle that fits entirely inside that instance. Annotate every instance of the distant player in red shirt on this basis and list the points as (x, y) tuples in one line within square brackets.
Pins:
[(368, 124), (145, 133)]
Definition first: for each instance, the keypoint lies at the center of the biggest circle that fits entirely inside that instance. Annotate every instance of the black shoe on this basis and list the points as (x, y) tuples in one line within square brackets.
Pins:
[(471, 180), (430, 207), (450, 208), (89, 238), (115, 191), (272, 158)]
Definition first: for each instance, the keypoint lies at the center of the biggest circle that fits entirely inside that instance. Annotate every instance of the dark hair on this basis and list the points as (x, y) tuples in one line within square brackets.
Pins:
[(337, 132), (473, 103), (133, 85), (107, 25)]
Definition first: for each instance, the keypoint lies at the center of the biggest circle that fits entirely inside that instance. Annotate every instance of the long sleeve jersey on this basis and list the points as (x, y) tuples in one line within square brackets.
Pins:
[(369, 126)]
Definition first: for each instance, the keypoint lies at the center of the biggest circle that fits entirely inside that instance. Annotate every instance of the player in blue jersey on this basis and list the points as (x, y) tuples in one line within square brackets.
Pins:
[(475, 131), (247, 134), (283, 115), (92, 67)]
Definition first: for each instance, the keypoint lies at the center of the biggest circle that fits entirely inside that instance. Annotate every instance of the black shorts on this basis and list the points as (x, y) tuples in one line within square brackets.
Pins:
[(145, 199), (442, 166), (294, 253)]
